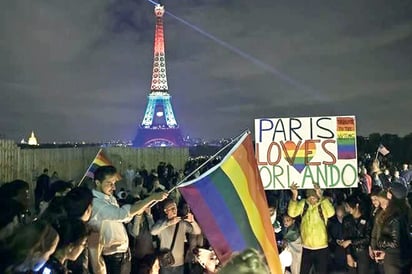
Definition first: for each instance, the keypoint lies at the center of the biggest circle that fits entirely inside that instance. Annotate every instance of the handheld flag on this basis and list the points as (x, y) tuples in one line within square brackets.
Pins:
[(383, 150), (230, 205), (98, 161)]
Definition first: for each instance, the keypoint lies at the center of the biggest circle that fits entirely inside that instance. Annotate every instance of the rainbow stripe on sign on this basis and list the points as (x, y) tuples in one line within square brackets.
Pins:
[(296, 155), (230, 204), (346, 137)]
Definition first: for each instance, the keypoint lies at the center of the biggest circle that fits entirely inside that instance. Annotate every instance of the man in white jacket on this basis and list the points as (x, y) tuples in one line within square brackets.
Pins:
[(109, 242)]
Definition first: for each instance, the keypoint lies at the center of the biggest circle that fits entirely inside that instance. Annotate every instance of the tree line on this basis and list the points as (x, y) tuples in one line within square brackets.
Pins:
[(400, 149)]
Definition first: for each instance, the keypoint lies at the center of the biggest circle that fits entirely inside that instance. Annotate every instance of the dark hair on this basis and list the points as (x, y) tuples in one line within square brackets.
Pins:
[(167, 202), (352, 201), (375, 191), (362, 200), (327, 193), (55, 212), (12, 189), (396, 207), (102, 171), (287, 215), (71, 232), (77, 201), (271, 199)]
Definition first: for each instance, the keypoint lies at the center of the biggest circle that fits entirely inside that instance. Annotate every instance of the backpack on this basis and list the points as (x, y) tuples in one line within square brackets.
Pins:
[(305, 209)]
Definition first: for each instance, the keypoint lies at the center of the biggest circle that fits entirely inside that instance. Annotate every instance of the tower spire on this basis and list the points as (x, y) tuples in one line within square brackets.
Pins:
[(159, 78), (159, 126)]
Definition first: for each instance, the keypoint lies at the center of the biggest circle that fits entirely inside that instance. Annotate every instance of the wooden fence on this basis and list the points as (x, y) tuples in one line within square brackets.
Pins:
[(71, 163), (9, 158)]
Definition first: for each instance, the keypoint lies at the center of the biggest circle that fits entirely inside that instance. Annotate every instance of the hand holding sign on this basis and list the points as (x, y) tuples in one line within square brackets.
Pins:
[(319, 191), (294, 190)]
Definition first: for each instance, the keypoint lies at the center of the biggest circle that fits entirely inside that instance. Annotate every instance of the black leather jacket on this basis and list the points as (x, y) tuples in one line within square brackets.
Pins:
[(394, 237), (358, 231)]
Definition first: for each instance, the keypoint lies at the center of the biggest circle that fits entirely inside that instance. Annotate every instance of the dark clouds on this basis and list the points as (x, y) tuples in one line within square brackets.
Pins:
[(80, 70)]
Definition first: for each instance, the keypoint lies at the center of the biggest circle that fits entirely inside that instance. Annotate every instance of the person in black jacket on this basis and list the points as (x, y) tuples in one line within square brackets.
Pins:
[(393, 236), (42, 190), (335, 233), (14, 199), (377, 195), (357, 229)]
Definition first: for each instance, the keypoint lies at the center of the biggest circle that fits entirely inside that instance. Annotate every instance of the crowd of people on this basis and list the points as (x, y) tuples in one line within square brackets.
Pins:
[(363, 230), (143, 227)]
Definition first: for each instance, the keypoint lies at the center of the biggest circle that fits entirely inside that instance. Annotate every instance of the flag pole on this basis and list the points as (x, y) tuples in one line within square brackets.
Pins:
[(208, 160), (377, 153), (85, 174), (202, 165)]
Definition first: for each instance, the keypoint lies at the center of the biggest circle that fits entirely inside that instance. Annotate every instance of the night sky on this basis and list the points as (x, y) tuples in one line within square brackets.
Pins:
[(81, 70)]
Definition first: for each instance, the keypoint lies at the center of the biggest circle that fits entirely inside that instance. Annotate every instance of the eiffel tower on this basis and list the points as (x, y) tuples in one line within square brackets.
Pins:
[(159, 127)]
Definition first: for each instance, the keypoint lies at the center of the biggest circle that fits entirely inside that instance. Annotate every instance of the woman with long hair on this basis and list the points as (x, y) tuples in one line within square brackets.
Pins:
[(73, 237), (393, 238), (28, 248), (378, 197)]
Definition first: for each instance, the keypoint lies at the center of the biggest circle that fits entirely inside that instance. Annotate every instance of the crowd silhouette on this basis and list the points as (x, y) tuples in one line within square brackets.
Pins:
[(136, 226)]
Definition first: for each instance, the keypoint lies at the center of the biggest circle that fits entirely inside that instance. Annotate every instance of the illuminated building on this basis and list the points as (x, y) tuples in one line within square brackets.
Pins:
[(159, 126), (32, 140)]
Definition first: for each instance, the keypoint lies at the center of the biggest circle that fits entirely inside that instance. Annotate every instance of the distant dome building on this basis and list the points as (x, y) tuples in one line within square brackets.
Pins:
[(33, 140)]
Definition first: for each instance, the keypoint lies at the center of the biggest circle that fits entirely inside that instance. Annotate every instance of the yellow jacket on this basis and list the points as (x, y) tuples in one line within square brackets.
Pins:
[(313, 227)]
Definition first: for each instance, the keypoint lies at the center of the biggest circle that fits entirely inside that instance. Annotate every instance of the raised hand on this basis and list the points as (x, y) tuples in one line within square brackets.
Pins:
[(190, 218), (294, 190), (318, 190)]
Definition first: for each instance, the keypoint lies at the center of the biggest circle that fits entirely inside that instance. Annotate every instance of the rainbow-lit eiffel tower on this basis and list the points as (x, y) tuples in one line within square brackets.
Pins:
[(159, 126)]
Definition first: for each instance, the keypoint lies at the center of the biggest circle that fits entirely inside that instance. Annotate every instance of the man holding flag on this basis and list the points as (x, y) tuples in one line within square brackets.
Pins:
[(108, 242)]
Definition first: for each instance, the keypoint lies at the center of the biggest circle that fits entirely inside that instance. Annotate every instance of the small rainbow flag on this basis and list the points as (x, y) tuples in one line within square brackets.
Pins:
[(99, 160), (230, 204), (346, 137)]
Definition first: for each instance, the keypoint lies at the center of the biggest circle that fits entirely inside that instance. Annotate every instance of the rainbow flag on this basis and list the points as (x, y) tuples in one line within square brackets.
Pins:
[(99, 160), (346, 137), (230, 205)]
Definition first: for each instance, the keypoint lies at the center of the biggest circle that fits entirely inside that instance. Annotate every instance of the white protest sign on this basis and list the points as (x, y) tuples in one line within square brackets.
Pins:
[(307, 150)]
